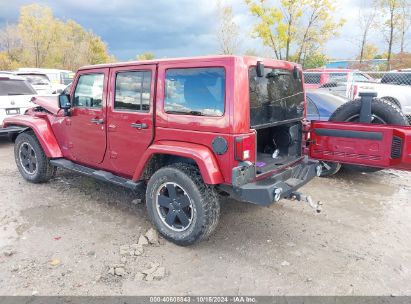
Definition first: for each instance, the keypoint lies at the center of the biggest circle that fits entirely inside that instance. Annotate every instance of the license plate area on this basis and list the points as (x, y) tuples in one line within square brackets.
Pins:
[(12, 111)]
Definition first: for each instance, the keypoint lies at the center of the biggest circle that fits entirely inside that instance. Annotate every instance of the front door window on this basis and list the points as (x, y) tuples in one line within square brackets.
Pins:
[(89, 91)]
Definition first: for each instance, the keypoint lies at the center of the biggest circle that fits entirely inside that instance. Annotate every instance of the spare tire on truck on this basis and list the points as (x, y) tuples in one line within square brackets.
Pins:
[(382, 111)]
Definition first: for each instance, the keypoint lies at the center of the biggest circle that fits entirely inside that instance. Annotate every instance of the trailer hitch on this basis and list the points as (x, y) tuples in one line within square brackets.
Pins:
[(298, 196)]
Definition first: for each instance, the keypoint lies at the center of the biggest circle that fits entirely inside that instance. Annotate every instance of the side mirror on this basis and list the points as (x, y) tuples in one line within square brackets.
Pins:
[(64, 103)]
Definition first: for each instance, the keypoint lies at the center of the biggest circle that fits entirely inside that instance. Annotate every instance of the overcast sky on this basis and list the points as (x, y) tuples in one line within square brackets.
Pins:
[(177, 28)]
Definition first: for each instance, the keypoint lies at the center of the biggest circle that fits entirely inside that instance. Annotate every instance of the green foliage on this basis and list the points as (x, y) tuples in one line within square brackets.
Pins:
[(315, 60), (302, 26), (145, 56), (370, 51), (41, 40)]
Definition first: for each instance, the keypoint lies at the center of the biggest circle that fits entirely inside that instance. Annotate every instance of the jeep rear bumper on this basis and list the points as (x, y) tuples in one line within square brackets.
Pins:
[(279, 185)]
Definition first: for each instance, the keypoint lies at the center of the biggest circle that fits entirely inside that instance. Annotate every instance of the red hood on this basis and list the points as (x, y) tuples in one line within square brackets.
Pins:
[(50, 103)]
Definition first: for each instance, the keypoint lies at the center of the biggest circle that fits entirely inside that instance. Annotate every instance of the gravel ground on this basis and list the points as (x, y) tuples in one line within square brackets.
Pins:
[(78, 236)]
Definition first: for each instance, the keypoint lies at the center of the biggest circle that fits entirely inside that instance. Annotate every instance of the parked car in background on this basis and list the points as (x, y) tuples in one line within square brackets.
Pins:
[(401, 77), (321, 104), (316, 78), (59, 78), (39, 81), (387, 89), (15, 98)]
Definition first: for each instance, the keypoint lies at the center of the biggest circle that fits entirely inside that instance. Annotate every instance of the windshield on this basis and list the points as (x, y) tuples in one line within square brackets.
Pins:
[(36, 79), (276, 97), (15, 87)]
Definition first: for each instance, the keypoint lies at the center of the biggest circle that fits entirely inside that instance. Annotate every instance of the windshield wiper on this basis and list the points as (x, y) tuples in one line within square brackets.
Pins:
[(16, 94), (196, 113)]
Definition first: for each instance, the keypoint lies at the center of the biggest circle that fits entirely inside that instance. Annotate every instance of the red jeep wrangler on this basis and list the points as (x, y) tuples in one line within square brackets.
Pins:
[(187, 130)]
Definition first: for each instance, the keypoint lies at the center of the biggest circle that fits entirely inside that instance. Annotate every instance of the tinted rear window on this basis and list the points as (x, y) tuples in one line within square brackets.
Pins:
[(276, 97), (15, 87), (397, 78), (195, 91)]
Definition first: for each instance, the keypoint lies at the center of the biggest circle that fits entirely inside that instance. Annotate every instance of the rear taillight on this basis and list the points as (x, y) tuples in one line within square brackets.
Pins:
[(243, 148)]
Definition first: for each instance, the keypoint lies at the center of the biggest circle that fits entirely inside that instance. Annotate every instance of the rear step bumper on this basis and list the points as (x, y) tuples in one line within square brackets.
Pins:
[(277, 186), (97, 174)]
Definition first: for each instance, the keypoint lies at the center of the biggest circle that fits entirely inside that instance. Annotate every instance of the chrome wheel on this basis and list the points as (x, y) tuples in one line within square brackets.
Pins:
[(174, 206), (28, 158)]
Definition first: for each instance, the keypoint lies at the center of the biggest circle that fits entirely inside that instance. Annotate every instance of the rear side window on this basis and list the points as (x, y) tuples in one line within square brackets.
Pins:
[(312, 78), (133, 91), (89, 91), (195, 91), (15, 87)]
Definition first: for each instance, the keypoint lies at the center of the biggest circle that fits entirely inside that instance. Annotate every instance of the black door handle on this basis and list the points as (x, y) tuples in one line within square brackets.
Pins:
[(139, 126), (97, 121)]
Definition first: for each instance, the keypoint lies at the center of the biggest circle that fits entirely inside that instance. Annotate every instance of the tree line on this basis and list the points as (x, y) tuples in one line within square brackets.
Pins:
[(41, 40), (298, 30), (294, 30)]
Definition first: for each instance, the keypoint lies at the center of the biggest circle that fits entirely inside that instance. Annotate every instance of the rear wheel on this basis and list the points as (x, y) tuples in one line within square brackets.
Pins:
[(183, 208), (383, 112), (31, 160)]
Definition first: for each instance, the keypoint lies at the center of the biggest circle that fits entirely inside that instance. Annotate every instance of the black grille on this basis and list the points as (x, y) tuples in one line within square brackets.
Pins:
[(396, 147), (409, 119)]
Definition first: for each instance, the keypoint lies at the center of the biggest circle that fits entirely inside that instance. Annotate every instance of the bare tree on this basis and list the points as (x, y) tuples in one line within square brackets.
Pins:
[(391, 9), (404, 22), (9, 39), (366, 17), (227, 31)]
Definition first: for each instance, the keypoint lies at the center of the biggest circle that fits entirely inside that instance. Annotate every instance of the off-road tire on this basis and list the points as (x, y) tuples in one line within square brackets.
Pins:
[(384, 109), (204, 199), (44, 171)]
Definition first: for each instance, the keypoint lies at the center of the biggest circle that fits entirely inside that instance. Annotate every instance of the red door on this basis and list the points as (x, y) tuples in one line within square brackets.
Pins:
[(130, 116), (86, 127), (379, 146)]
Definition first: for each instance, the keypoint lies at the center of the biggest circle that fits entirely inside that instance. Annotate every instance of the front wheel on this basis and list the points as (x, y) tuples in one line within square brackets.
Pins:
[(183, 208), (31, 160)]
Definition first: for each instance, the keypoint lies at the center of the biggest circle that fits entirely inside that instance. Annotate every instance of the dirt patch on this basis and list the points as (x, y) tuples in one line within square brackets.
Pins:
[(68, 237)]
